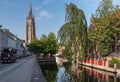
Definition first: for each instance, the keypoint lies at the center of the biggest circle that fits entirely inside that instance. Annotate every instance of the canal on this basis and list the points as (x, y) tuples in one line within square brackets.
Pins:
[(76, 73)]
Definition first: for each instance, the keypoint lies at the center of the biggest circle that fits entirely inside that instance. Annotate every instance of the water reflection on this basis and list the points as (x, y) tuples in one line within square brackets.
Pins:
[(77, 73), (87, 74), (62, 75)]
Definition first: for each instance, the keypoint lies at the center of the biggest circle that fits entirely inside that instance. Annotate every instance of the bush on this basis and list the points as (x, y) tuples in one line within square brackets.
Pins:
[(113, 61)]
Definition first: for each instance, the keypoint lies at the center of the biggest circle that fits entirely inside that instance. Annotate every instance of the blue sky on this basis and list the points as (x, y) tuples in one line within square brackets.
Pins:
[(49, 14)]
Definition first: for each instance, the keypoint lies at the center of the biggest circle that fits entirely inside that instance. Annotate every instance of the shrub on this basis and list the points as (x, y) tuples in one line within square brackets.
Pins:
[(113, 61)]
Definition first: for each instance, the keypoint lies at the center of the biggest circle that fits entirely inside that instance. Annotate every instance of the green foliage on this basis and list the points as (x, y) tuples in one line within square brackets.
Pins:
[(113, 61), (49, 71), (34, 47), (74, 31), (105, 26), (103, 49), (46, 45), (67, 53), (64, 34), (104, 8), (51, 43)]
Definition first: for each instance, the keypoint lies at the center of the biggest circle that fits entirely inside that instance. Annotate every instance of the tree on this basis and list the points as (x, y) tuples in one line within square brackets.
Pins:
[(51, 43), (64, 34), (74, 31), (104, 8), (46, 45), (105, 23), (34, 46)]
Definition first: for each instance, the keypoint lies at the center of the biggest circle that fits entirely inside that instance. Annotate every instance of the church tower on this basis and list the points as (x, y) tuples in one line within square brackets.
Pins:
[(30, 27)]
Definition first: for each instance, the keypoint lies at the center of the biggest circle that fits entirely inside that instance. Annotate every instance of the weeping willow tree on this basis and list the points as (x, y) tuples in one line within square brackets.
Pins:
[(74, 32)]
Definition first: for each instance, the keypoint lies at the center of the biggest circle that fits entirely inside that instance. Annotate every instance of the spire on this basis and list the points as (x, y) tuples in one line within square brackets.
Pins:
[(30, 26), (30, 12)]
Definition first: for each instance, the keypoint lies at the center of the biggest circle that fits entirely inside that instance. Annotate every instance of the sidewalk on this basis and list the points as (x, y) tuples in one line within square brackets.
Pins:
[(37, 75)]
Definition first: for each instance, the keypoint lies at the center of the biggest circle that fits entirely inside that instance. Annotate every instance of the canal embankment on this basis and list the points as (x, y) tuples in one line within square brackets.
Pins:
[(98, 64), (37, 74)]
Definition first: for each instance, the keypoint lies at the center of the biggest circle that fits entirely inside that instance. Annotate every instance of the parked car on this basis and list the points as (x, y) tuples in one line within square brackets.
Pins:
[(8, 55)]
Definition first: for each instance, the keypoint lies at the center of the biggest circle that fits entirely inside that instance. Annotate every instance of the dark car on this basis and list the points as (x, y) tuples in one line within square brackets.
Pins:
[(8, 55)]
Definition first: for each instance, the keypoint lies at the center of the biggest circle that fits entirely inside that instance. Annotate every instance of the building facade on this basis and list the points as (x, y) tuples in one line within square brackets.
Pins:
[(30, 27), (4, 38), (9, 40), (20, 48), (0, 40)]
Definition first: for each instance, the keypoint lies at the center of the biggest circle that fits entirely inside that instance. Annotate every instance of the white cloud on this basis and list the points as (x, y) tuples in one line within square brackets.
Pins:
[(44, 14), (46, 2), (37, 8)]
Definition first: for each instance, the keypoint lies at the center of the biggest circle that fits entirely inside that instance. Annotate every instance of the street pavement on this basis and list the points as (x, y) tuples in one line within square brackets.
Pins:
[(23, 70), (37, 75)]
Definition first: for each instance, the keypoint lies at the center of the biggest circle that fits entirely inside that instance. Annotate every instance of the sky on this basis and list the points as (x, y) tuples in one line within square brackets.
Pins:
[(49, 14)]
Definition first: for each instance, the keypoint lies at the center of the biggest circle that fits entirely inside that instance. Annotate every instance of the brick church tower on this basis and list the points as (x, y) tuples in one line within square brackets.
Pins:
[(30, 27)]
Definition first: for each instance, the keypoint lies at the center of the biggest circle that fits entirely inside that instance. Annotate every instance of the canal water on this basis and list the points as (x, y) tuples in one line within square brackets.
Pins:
[(76, 73)]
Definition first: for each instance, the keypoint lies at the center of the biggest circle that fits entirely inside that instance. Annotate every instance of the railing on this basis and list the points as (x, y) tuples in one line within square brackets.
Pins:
[(95, 62), (103, 65), (47, 61)]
